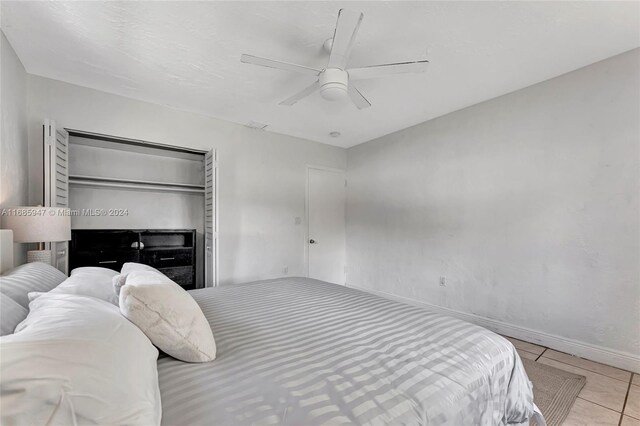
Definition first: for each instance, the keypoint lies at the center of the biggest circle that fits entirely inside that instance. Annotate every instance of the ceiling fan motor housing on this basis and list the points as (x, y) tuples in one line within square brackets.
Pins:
[(333, 84)]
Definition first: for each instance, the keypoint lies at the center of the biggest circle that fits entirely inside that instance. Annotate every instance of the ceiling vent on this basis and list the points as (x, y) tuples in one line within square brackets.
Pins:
[(256, 126)]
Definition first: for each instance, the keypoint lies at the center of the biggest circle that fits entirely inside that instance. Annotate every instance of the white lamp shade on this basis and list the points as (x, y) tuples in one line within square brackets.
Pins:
[(39, 224)]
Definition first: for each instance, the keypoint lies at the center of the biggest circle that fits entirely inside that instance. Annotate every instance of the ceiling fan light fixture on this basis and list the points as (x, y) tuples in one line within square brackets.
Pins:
[(333, 84), (333, 91)]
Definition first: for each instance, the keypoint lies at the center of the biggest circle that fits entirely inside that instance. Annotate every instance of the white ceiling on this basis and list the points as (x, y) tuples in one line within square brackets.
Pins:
[(187, 54)]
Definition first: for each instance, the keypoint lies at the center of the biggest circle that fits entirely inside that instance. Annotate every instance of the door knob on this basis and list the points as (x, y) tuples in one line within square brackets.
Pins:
[(312, 241)]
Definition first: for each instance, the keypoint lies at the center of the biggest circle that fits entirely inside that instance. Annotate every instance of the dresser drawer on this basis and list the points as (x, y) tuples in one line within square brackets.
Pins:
[(167, 258), (112, 259), (182, 275), (169, 250)]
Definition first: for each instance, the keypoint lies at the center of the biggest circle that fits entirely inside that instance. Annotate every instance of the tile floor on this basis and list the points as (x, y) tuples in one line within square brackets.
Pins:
[(611, 397)]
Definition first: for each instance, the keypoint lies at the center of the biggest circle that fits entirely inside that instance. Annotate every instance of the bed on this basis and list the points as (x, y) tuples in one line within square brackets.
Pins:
[(292, 351), (299, 351)]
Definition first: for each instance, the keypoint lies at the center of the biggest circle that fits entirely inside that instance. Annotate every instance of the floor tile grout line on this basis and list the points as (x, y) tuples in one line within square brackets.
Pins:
[(626, 397), (590, 371), (541, 353), (599, 405)]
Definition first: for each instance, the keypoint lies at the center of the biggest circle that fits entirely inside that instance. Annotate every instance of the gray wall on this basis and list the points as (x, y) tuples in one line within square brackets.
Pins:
[(527, 204), (261, 175), (13, 145)]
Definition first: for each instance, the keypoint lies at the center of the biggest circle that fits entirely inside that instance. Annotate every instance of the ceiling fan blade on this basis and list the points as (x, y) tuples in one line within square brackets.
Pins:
[(344, 37), (376, 71), (360, 101), (302, 94), (271, 63)]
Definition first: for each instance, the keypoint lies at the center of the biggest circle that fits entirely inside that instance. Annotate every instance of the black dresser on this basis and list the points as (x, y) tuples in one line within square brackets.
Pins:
[(171, 251)]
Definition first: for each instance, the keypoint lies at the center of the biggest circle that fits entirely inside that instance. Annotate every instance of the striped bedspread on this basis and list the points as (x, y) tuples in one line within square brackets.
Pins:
[(298, 351)]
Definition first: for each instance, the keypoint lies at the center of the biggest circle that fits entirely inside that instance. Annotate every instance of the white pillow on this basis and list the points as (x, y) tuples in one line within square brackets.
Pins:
[(23, 279), (120, 280), (94, 270), (89, 281), (168, 315), (11, 314), (76, 360)]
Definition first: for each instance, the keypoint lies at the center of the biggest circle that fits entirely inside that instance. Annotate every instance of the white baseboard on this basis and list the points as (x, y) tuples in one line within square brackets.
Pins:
[(623, 360)]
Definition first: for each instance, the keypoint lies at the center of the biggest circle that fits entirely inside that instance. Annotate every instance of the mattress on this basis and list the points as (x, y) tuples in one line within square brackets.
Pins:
[(298, 351)]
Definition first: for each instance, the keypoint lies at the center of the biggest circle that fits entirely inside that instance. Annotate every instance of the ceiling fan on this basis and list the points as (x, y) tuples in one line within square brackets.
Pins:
[(334, 81)]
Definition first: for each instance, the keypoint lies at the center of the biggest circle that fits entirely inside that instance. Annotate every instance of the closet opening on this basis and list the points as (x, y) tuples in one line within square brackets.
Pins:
[(134, 200)]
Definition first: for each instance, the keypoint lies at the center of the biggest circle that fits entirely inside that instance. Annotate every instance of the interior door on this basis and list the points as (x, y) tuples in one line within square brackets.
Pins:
[(326, 220), (210, 225), (56, 183)]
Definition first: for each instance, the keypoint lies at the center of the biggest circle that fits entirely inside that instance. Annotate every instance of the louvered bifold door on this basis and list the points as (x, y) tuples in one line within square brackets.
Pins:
[(56, 183), (210, 225)]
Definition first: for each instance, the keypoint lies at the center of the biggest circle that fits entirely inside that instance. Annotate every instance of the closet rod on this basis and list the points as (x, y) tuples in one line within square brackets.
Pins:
[(129, 141), (121, 183), (136, 181)]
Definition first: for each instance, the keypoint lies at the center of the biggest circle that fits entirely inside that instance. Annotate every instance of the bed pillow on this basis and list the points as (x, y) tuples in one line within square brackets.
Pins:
[(11, 314), (77, 360), (35, 276), (95, 270), (127, 268), (89, 281), (168, 315)]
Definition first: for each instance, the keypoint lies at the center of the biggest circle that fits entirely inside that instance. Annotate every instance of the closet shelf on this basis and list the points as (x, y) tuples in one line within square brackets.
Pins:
[(105, 182)]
